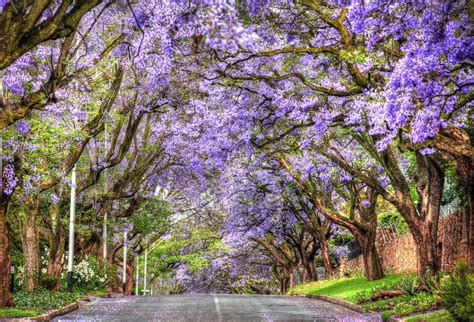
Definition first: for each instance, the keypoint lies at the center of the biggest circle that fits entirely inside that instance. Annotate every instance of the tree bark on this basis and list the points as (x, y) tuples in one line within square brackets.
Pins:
[(31, 244), (130, 272), (292, 281), (57, 244), (329, 270), (372, 264), (5, 294)]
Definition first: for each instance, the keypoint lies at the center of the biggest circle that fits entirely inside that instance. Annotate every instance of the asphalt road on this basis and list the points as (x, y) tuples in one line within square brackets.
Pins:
[(217, 308)]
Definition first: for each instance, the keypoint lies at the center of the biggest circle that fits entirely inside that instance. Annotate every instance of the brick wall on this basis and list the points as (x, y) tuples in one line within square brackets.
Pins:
[(398, 254), (452, 239)]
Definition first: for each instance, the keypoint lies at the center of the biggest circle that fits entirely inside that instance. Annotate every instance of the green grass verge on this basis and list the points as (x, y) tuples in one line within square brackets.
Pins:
[(10, 312), (352, 289), (442, 316), (97, 292)]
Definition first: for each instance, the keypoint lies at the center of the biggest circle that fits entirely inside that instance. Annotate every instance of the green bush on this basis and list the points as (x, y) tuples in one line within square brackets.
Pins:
[(457, 293), (431, 282), (420, 302), (390, 219), (88, 275), (408, 284)]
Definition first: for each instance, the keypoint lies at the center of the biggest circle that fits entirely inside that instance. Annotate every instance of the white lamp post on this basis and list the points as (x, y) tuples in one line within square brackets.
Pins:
[(72, 215), (124, 272), (145, 266), (136, 277)]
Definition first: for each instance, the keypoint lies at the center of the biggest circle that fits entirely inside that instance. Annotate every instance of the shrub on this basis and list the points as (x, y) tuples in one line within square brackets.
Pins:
[(88, 275), (458, 293), (408, 284), (431, 282), (420, 302)]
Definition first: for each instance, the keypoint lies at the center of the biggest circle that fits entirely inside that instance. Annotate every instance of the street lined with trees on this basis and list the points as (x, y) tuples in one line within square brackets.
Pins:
[(239, 144)]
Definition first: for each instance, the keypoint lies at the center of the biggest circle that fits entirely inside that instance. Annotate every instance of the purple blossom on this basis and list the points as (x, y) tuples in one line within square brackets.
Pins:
[(22, 127)]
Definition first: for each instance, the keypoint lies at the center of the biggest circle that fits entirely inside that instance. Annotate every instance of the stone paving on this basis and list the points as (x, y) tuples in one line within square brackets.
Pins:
[(218, 307)]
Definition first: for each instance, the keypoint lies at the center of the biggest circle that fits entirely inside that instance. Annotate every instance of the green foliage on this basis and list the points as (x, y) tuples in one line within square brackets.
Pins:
[(89, 275), (431, 282), (458, 293), (420, 302), (43, 300), (408, 284), (385, 315), (386, 304), (442, 316), (184, 248), (452, 189), (152, 216), (9, 312), (390, 219)]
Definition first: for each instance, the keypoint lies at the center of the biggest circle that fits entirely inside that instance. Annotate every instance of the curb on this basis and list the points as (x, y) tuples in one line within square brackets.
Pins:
[(343, 303), (48, 316)]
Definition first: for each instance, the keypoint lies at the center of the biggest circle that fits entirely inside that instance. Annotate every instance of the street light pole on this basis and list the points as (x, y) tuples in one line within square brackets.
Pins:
[(145, 266), (104, 242), (137, 257), (124, 272), (72, 215)]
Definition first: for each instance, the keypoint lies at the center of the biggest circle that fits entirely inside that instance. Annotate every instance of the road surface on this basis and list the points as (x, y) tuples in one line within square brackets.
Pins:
[(219, 308)]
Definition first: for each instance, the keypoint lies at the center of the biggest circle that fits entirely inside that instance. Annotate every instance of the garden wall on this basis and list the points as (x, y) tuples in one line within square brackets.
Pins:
[(398, 255)]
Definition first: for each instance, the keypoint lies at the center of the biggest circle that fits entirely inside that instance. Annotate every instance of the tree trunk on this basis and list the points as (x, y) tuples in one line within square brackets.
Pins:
[(313, 273), (31, 244), (56, 249), (130, 284), (329, 270), (5, 294), (292, 281), (372, 265), (426, 248)]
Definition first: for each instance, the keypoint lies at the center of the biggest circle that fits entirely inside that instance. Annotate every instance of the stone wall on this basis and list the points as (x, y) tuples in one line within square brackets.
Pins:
[(398, 255)]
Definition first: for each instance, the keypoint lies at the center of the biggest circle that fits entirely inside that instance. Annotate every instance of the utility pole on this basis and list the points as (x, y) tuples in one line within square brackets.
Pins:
[(145, 266), (104, 239), (124, 272), (137, 257), (72, 216)]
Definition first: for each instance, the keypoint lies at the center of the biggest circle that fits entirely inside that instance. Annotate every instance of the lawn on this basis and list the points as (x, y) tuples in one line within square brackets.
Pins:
[(11, 312), (441, 316), (349, 289)]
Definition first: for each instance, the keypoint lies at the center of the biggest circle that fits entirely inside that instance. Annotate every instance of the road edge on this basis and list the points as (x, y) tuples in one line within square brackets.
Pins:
[(48, 316), (333, 300)]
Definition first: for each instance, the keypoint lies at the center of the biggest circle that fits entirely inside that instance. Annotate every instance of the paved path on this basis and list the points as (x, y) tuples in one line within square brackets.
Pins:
[(219, 308)]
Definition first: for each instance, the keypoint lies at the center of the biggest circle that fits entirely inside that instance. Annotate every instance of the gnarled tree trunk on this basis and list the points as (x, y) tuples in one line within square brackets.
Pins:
[(372, 264), (31, 243), (329, 270), (57, 244), (5, 294)]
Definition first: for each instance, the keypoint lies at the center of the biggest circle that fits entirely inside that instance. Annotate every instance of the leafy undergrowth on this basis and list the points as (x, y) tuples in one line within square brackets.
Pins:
[(405, 305), (354, 289), (43, 300), (440, 316), (10, 312)]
